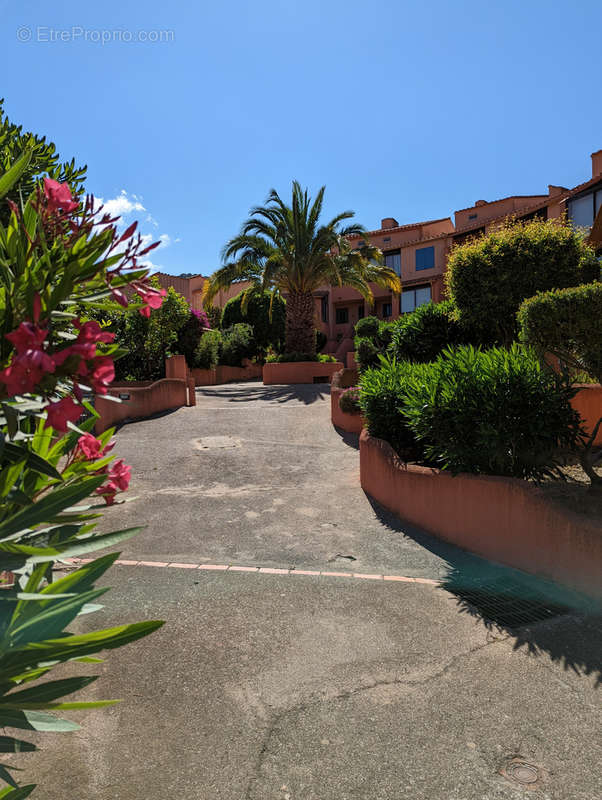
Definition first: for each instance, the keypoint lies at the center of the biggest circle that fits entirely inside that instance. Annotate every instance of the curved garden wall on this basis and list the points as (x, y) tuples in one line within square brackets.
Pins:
[(588, 402), (300, 372), (503, 519), (139, 401), (341, 380)]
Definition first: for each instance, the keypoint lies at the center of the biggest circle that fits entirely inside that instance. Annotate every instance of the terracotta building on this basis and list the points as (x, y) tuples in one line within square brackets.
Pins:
[(418, 253)]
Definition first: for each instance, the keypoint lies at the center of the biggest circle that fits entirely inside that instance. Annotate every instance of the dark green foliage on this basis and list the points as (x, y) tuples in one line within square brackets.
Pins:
[(214, 313), (189, 337), (283, 358), (321, 340), (44, 161), (497, 412), (238, 343), (489, 277), (367, 327), (349, 401), (268, 330), (372, 341), (422, 334), (567, 323), (208, 350), (383, 395)]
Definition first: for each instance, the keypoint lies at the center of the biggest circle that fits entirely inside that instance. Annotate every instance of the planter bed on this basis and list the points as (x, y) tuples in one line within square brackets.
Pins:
[(223, 374), (503, 519), (352, 423), (588, 402), (300, 372)]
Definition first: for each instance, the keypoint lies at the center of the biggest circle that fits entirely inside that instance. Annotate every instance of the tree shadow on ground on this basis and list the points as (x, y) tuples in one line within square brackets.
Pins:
[(300, 392), (541, 616), (350, 439)]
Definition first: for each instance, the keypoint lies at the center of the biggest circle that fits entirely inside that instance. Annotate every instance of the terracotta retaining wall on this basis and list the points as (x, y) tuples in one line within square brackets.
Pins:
[(351, 362), (223, 374), (588, 402), (341, 380), (140, 401), (299, 372), (504, 519)]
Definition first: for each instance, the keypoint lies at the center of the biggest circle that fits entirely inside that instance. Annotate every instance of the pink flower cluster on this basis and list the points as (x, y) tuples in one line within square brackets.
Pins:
[(118, 474)]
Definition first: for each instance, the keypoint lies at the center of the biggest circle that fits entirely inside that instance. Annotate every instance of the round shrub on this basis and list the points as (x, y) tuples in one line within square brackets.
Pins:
[(567, 323), (367, 326), (488, 278), (208, 351), (496, 412), (190, 334), (422, 334), (366, 352), (237, 344), (349, 401)]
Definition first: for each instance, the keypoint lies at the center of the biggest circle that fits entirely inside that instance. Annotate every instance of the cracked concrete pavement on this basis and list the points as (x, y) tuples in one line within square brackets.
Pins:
[(291, 687)]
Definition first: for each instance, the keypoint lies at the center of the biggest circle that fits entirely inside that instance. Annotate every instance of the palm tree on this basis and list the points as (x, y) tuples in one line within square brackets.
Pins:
[(285, 250)]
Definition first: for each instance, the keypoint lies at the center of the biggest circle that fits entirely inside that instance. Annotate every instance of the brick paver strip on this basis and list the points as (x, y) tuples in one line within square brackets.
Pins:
[(263, 570)]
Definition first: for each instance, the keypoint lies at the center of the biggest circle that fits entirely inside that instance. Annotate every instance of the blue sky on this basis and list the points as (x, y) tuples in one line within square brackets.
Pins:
[(403, 109)]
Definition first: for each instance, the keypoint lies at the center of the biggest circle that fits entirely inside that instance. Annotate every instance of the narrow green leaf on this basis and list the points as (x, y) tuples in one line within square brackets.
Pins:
[(34, 721), (19, 793), (46, 692), (10, 745), (12, 175)]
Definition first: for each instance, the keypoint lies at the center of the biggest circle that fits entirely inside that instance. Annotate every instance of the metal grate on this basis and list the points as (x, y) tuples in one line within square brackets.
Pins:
[(507, 605)]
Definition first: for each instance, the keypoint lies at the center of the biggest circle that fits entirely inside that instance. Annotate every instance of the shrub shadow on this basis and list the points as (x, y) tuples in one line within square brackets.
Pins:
[(306, 393), (543, 617), (350, 439)]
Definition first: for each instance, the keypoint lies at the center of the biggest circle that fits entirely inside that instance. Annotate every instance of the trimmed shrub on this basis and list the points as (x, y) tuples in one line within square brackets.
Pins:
[(237, 343), (488, 278), (496, 412), (190, 334), (208, 351), (367, 326), (282, 358), (422, 334), (382, 396), (349, 401), (268, 331), (321, 340), (366, 352), (568, 324)]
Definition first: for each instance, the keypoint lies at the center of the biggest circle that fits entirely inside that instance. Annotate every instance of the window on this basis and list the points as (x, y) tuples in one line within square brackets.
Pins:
[(472, 216), (393, 260), (425, 257), (325, 309), (387, 239), (341, 316), (360, 312), (414, 297), (387, 310), (583, 210)]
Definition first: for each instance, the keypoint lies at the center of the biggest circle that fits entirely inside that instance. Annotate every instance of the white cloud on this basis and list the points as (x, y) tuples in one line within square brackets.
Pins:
[(127, 205)]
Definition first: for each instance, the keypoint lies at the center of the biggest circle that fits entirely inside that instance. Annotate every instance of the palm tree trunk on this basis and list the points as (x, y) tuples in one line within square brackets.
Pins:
[(300, 323)]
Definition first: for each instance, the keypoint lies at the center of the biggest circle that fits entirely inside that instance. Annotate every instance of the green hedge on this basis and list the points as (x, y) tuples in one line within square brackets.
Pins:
[(422, 334), (238, 343), (567, 323), (208, 350), (488, 278), (268, 329)]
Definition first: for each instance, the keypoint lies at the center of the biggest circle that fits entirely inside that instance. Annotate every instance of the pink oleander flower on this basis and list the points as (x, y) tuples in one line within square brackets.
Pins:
[(119, 480), (153, 298), (26, 371), (89, 447), (92, 332), (103, 374), (85, 350), (27, 336), (60, 413), (59, 196)]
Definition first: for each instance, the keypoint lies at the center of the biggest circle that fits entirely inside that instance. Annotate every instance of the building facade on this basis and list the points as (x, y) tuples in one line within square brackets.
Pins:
[(418, 252)]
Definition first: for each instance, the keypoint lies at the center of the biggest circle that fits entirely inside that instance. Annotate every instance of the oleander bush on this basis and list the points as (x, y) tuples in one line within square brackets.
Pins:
[(58, 254), (488, 278), (495, 412), (372, 339), (383, 391)]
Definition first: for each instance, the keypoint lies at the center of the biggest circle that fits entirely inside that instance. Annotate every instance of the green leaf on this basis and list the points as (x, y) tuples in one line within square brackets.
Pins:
[(50, 505), (17, 794), (10, 745), (12, 175), (15, 452), (34, 721), (46, 692)]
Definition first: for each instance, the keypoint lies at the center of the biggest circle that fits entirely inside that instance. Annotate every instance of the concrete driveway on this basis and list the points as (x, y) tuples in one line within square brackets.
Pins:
[(310, 650)]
